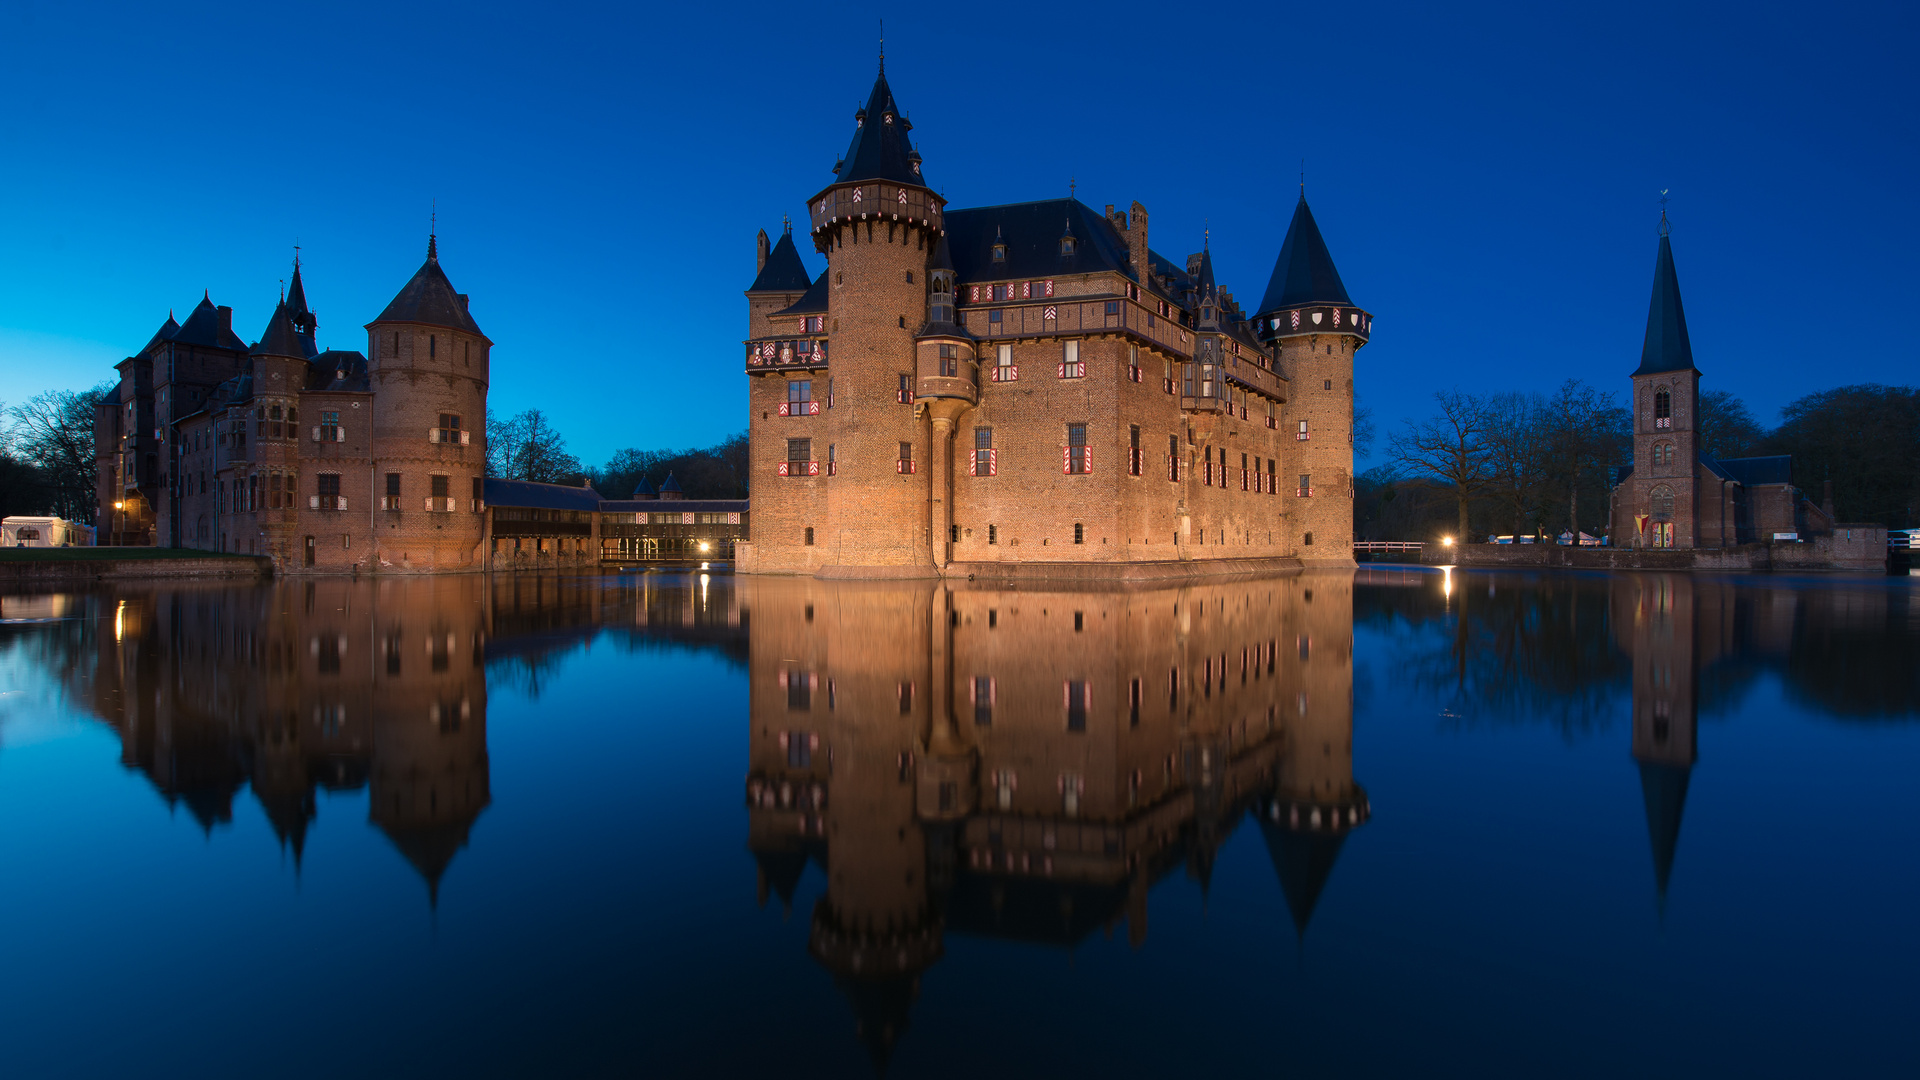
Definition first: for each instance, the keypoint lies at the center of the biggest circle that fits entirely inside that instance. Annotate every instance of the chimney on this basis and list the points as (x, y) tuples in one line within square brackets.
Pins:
[(760, 253), (1137, 246), (226, 318)]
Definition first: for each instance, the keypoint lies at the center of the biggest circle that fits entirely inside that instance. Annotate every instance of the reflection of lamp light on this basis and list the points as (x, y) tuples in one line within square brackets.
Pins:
[(1446, 581), (119, 618)]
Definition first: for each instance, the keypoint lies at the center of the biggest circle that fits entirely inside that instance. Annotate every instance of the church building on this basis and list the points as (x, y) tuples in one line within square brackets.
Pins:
[(1675, 494), (963, 390)]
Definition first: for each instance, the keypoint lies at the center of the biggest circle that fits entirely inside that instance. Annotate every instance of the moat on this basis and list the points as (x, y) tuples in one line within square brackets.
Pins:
[(1393, 822)]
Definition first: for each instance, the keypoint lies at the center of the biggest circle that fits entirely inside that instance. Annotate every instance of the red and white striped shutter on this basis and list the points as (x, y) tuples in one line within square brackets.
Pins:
[(733, 519), (973, 463), (1049, 288), (993, 463), (1066, 459), (782, 468), (813, 468), (1086, 459)]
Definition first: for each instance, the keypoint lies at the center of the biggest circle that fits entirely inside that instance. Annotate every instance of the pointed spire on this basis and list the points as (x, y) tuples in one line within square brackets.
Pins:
[(1304, 273), (280, 337), (784, 271), (1663, 787), (1667, 347), (880, 149)]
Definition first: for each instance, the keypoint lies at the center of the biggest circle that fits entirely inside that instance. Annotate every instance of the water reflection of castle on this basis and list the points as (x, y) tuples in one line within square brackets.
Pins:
[(1026, 764), (337, 685)]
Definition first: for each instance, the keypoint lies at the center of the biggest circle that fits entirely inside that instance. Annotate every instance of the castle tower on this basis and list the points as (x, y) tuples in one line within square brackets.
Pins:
[(1307, 317), (305, 322), (877, 223), (946, 385), (429, 433), (1666, 395), (279, 368)]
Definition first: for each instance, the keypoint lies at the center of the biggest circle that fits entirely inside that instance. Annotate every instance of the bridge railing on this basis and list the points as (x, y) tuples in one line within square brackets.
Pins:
[(1388, 545)]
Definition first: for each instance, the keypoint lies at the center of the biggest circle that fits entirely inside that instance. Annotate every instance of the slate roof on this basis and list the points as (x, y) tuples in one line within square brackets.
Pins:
[(643, 490), (280, 338), (339, 369), (539, 496), (1304, 272), (429, 300), (670, 486), (1667, 347), (813, 303), (1031, 232), (205, 326), (880, 149), (784, 272), (1753, 471)]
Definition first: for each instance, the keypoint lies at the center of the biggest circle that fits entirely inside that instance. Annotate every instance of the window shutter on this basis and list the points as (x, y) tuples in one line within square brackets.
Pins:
[(429, 502), (1066, 459), (464, 436), (339, 434), (1086, 459), (993, 463), (340, 502), (433, 435), (316, 434), (313, 502)]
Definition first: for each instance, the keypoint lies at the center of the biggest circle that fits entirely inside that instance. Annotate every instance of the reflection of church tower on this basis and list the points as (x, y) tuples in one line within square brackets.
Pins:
[(1316, 802), (1665, 706), (430, 773)]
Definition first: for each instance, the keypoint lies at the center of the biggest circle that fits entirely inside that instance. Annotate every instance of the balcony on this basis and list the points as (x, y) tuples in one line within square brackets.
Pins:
[(791, 354)]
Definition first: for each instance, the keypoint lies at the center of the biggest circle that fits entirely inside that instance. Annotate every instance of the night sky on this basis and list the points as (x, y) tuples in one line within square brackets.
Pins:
[(1488, 182)]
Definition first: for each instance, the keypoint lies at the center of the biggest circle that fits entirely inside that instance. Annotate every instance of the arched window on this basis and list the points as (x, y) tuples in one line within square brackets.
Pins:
[(1662, 409), (1662, 500)]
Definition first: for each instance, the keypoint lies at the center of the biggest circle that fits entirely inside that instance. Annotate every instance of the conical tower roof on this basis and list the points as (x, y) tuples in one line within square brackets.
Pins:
[(784, 272), (429, 299), (880, 149), (643, 490), (206, 326), (1304, 272), (304, 320), (165, 333), (670, 486), (1667, 347), (280, 338)]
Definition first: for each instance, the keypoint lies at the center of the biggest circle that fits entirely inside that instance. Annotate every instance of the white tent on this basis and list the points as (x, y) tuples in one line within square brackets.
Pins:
[(44, 532)]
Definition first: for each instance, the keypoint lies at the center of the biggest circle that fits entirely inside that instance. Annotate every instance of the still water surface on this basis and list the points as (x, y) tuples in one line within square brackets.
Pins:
[(1390, 823)]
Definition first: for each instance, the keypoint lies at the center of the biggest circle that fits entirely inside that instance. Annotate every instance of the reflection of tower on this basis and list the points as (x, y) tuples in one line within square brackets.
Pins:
[(1665, 705), (1316, 802), (430, 774)]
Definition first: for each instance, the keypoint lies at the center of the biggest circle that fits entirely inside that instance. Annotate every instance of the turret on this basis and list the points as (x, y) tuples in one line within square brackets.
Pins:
[(878, 224), (1315, 330), (305, 322), (430, 433)]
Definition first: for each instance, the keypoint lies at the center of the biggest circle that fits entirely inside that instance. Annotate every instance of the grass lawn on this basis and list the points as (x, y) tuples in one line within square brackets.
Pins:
[(106, 554)]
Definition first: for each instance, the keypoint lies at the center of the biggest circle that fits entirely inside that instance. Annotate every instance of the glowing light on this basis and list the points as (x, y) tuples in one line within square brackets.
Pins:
[(120, 621), (704, 548), (1447, 540), (118, 505), (1446, 581)]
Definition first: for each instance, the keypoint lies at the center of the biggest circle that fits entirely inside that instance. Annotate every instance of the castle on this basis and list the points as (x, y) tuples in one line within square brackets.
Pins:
[(324, 461), (975, 390)]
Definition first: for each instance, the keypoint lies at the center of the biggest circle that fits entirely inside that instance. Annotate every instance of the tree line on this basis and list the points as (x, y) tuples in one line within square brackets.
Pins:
[(46, 455), (1543, 464), (526, 446)]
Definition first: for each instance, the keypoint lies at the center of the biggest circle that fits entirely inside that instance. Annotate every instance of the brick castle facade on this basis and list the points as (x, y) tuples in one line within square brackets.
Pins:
[(960, 391), (332, 461)]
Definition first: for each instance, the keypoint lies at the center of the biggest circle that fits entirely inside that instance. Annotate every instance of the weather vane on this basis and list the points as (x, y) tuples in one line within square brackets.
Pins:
[(1072, 186)]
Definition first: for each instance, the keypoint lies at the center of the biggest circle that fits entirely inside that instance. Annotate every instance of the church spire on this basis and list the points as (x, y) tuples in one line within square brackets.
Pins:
[(1667, 347)]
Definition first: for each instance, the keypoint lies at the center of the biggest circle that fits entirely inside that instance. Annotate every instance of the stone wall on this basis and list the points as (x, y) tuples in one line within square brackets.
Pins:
[(1856, 548)]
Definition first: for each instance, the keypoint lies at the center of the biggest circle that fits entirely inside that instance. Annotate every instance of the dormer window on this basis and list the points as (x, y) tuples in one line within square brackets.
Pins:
[(1066, 245), (999, 251)]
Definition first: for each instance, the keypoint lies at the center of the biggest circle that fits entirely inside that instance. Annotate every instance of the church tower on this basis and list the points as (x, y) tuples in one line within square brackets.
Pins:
[(878, 224), (1659, 625), (1313, 326), (1666, 396)]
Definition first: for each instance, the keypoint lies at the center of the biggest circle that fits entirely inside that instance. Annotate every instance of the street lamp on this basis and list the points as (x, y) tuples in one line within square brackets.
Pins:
[(1447, 540)]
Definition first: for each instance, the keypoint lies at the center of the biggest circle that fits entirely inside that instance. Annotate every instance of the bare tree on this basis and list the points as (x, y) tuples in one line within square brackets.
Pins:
[(527, 447), (1450, 447), (1583, 429), (53, 431), (1516, 452)]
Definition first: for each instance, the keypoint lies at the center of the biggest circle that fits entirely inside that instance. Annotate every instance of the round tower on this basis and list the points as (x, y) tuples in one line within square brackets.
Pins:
[(878, 224), (427, 366), (1315, 330)]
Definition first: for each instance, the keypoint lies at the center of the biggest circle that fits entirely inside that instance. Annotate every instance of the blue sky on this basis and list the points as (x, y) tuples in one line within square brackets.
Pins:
[(1487, 178)]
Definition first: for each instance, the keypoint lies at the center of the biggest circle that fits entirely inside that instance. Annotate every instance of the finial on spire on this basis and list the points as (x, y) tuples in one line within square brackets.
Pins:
[(786, 224), (296, 258), (883, 46), (1303, 178), (1073, 186), (1206, 233), (283, 290), (433, 230), (1663, 211)]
